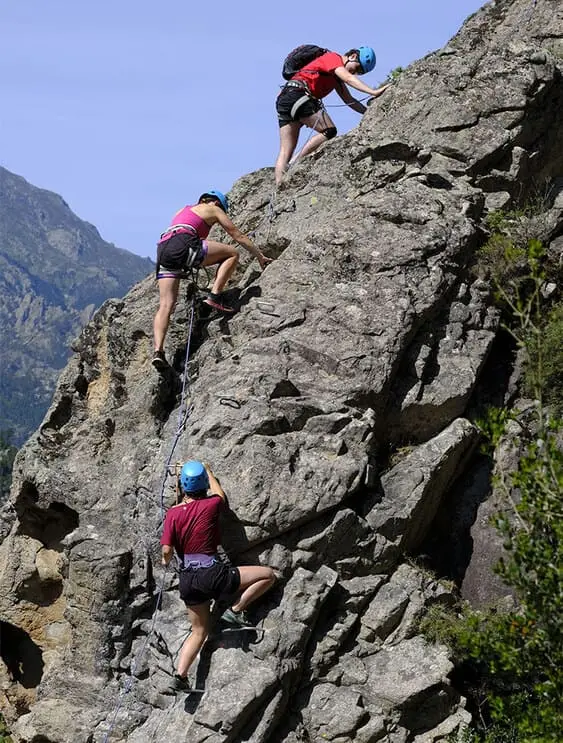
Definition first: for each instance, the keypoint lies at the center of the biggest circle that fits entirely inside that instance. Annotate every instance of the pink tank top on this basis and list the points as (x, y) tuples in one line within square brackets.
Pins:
[(187, 217)]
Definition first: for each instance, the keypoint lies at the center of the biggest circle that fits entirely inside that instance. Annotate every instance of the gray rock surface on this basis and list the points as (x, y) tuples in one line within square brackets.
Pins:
[(368, 334), (481, 586)]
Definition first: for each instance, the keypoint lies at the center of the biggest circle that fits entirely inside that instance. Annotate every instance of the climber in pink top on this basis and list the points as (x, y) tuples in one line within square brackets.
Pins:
[(184, 246)]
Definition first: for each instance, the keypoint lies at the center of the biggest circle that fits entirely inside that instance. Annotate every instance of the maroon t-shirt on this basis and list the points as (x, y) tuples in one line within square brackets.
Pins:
[(193, 528)]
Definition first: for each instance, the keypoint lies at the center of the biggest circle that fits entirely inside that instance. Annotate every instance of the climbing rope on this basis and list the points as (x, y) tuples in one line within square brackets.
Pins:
[(184, 412), (346, 105)]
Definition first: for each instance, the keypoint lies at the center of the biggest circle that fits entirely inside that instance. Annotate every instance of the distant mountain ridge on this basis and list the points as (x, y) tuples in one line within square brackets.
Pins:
[(55, 270)]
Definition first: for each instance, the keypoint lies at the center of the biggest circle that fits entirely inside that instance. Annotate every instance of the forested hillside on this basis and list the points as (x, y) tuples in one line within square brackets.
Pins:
[(55, 270)]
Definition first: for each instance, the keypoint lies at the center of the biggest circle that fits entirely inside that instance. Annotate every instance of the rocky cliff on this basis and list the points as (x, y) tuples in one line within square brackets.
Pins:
[(55, 270), (368, 336)]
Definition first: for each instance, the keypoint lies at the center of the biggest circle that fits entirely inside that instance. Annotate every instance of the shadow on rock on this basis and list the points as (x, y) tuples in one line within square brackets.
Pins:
[(23, 658)]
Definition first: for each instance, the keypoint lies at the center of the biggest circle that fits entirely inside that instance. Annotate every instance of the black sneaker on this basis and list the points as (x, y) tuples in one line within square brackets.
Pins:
[(159, 361), (179, 684)]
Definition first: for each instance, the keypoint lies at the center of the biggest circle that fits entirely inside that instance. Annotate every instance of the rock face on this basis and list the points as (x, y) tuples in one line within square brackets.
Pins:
[(55, 270), (368, 333)]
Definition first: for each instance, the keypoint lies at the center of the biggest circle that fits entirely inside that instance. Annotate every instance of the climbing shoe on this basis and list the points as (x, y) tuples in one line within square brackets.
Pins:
[(214, 300), (159, 361), (236, 618), (179, 684)]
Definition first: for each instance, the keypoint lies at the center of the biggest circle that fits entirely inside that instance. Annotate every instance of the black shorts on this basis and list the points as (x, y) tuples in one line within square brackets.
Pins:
[(290, 109), (177, 252), (203, 584)]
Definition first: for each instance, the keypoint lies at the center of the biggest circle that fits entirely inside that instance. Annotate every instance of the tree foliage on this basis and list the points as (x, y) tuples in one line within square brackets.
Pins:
[(4, 732), (516, 655), (521, 651)]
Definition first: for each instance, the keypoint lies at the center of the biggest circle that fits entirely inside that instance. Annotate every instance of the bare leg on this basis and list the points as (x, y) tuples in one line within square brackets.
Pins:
[(168, 289), (316, 141), (227, 258), (319, 122), (254, 581), (199, 617), (289, 134)]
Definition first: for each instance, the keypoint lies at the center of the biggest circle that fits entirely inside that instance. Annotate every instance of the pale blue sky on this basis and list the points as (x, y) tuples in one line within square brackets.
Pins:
[(129, 110)]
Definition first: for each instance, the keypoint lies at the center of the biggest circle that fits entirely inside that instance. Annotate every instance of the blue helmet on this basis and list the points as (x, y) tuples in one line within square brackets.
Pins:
[(193, 477), (218, 195), (366, 58)]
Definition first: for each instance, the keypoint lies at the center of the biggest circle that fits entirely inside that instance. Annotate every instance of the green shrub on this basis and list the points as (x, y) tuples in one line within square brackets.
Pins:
[(526, 646), (4, 732), (395, 74), (515, 239), (503, 259), (519, 269), (446, 626), (547, 361), (495, 733), (516, 655), (521, 652)]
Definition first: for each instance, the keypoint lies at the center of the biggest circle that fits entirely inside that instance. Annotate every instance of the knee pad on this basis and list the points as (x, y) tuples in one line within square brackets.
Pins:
[(329, 132)]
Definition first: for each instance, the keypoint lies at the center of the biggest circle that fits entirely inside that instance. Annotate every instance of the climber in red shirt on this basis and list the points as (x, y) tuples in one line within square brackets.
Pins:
[(299, 102)]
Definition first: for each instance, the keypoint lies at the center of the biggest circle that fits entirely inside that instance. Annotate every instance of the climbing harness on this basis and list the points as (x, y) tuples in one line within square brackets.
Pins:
[(300, 101), (174, 228), (193, 249)]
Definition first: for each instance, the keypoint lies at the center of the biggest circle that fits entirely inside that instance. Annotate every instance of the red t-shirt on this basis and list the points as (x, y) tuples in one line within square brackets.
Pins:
[(319, 74), (193, 528)]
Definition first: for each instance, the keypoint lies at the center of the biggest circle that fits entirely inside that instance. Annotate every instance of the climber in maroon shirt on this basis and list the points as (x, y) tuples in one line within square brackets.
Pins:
[(191, 529)]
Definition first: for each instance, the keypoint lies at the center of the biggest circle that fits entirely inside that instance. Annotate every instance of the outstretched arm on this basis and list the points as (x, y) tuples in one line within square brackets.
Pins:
[(344, 93), (233, 231), (354, 82), (214, 484)]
